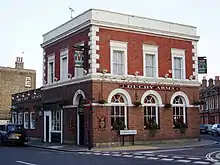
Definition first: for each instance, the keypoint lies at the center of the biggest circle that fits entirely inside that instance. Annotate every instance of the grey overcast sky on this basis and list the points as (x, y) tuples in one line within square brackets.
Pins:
[(23, 22)]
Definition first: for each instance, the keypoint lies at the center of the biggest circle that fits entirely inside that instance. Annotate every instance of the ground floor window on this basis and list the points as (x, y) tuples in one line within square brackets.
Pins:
[(151, 116), (179, 112), (56, 120), (20, 118), (118, 117), (14, 117), (32, 120), (26, 120), (118, 113)]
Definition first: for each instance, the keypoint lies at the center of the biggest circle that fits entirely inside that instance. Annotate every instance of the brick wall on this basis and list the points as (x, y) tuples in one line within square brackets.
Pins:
[(136, 116), (13, 81), (66, 43), (135, 53)]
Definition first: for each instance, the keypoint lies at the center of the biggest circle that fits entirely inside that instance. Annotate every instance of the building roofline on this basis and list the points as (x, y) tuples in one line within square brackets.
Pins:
[(17, 69), (142, 17), (66, 22), (99, 17)]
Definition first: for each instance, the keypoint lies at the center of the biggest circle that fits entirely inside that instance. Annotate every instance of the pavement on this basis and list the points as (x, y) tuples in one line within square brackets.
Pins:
[(151, 146)]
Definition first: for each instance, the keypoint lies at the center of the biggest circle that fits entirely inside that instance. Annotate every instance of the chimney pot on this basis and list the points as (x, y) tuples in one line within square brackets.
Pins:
[(204, 82), (210, 82), (19, 63), (217, 81)]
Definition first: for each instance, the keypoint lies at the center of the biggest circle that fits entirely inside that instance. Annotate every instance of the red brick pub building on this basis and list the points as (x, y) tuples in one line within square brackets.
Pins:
[(137, 74)]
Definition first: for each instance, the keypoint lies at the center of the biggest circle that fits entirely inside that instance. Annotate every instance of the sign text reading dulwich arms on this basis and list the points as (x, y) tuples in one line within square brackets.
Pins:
[(151, 87)]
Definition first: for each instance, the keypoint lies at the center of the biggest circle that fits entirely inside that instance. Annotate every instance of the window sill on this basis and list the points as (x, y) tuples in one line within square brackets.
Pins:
[(179, 128), (55, 131)]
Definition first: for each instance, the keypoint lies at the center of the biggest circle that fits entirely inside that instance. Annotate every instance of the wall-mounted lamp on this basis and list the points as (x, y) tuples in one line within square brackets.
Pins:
[(23, 95), (28, 94), (12, 98), (17, 96), (35, 93)]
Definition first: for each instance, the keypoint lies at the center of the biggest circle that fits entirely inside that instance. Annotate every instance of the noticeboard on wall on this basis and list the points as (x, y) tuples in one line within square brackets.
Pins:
[(202, 65)]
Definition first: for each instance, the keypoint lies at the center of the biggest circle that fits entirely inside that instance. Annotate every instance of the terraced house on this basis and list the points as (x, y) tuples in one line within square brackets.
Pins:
[(209, 95), (106, 71)]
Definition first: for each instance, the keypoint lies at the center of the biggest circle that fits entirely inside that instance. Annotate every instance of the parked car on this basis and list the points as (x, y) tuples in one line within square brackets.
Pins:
[(216, 129), (12, 134), (202, 128), (209, 128)]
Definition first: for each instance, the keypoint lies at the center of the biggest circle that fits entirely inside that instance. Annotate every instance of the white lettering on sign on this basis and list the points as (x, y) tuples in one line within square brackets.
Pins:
[(152, 87), (128, 132)]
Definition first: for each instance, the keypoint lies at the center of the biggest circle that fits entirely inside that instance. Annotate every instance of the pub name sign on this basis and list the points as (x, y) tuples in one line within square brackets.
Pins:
[(151, 87)]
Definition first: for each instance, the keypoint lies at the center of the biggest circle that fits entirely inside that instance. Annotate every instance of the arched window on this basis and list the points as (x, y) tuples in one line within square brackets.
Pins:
[(179, 111), (151, 116), (118, 112)]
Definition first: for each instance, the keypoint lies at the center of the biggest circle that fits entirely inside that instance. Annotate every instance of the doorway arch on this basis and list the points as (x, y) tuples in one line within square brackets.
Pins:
[(77, 98)]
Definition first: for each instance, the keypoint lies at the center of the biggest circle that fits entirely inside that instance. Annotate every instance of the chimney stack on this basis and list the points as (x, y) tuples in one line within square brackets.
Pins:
[(204, 82), (19, 64), (217, 81), (210, 82)]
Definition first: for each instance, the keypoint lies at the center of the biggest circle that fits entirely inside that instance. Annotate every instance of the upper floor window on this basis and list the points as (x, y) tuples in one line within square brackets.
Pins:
[(211, 103), (216, 102), (178, 63), (206, 104), (150, 60), (27, 82), (118, 53), (79, 63), (51, 69), (64, 64)]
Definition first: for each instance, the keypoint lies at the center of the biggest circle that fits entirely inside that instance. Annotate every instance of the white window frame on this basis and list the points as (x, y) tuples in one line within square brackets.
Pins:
[(150, 49), (50, 59), (77, 68), (206, 104), (26, 123), (178, 53), (54, 122), (211, 103), (64, 54), (14, 118), (113, 104), (20, 118), (180, 105), (27, 82), (145, 105), (32, 126), (119, 46), (216, 101)]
